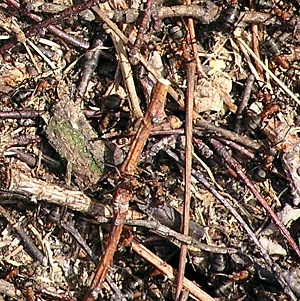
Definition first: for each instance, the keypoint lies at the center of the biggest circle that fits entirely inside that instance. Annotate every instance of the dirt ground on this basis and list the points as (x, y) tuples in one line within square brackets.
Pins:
[(149, 150)]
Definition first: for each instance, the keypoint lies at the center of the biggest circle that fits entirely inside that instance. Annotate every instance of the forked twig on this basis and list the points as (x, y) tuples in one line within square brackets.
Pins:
[(48, 23), (123, 193)]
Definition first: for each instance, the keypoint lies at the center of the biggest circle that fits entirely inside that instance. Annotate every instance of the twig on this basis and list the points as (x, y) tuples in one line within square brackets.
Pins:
[(254, 35), (155, 114), (45, 58), (49, 24), (234, 165), (119, 39), (123, 193), (28, 242), (191, 68), (241, 149), (197, 292), (143, 27), (205, 14), (70, 228), (249, 62), (243, 140), (177, 238), (197, 175), (20, 180), (127, 73), (21, 114), (266, 69), (91, 59), (193, 43), (244, 101), (255, 46)]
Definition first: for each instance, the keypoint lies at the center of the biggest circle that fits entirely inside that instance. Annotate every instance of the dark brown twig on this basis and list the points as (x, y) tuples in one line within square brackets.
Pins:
[(234, 165), (91, 59), (143, 27), (243, 140), (241, 149), (28, 242), (244, 101), (48, 24), (191, 70), (200, 178)]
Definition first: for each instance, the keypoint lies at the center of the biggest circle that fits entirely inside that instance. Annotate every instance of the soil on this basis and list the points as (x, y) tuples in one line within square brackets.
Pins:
[(149, 150)]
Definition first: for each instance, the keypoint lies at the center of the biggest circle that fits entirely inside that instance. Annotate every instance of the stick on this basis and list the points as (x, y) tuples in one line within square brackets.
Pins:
[(123, 193)]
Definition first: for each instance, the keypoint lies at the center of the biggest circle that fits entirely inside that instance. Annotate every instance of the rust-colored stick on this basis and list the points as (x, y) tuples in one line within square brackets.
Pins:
[(234, 165), (123, 194), (191, 68), (122, 198), (255, 47), (255, 42), (196, 291), (154, 115), (193, 41)]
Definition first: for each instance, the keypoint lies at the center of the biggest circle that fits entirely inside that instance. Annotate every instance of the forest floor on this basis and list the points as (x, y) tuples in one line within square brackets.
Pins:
[(149, 150)]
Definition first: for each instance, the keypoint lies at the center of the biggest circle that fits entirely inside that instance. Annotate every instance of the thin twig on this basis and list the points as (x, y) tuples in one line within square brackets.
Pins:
[(191, 68), (177, 238), (234, 165), (28, 242), (200, 178), (272, 75), (244, 102), (243, 140), (193, 42), (142, 29), (127, 73), (197, 292), (119, 39), (49, 24), (91, 59)]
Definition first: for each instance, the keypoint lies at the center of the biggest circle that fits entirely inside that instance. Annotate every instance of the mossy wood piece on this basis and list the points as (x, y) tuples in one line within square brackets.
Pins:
[(75, 140)]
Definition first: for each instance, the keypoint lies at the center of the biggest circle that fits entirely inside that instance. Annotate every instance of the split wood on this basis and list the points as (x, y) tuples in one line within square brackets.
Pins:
[(154, 114)]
